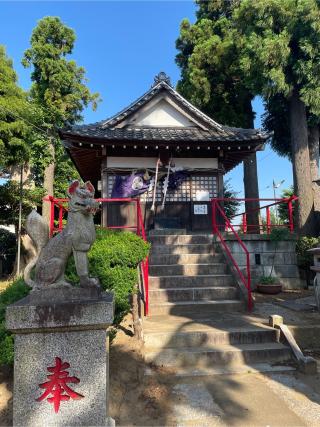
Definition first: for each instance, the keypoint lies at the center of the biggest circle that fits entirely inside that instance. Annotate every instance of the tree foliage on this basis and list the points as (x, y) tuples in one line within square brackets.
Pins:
[(9, 202), (14, 130), (60, 91), (211, 76), (280, 58)]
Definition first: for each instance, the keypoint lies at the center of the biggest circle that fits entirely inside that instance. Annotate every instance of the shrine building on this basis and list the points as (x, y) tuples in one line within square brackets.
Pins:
[(163, 150)]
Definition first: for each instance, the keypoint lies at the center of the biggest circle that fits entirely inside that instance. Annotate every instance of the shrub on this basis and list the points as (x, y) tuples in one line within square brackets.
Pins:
[(113, 258), (305, 259), (11, 294), (268, 280), (8, 243)]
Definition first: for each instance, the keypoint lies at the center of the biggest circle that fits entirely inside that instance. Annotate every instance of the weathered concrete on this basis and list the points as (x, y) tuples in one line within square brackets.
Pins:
[(74, 332), (285, 260)]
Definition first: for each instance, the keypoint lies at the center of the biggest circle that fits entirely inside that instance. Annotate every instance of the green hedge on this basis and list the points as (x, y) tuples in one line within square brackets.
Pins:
[(11, 294), (113, 258)]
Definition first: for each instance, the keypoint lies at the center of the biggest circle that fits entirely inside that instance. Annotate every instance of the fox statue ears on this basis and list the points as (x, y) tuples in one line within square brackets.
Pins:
[(73, 186), (89, 187), (76, 184)]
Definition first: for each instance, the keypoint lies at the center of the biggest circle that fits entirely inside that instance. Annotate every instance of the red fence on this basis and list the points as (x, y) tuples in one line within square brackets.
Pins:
[(221, 221), (60, 207), (243, 225)]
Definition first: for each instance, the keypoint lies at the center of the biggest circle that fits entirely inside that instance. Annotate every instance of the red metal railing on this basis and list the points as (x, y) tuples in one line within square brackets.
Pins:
[(215, 229), (60, 206), (225, 224), (267, 227)]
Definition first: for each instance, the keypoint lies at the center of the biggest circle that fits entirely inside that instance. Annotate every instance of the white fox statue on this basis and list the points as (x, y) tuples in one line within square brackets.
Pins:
[(77, 237)]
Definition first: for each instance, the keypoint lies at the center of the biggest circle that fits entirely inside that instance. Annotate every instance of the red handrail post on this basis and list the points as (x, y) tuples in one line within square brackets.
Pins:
[(51, 222), (214, 217), (290, 213), (244, 223), (268, 219), (60, 217)]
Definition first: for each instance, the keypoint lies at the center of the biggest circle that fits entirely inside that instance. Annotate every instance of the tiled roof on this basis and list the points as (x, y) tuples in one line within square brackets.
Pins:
[(166, 133), (208, 129)]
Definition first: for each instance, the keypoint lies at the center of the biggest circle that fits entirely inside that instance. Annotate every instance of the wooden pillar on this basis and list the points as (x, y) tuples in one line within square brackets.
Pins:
[(104, 191)]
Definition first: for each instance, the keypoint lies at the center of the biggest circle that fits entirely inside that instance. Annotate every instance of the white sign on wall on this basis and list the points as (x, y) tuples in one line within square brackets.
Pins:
[(202, 196), (200, 209)]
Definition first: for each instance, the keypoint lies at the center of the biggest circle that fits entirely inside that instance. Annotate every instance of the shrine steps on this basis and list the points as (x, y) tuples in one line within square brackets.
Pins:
[(187, 275), (197, 324)]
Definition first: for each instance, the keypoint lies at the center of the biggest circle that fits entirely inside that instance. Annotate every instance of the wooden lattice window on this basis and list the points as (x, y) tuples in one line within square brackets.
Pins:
[(206, 184)]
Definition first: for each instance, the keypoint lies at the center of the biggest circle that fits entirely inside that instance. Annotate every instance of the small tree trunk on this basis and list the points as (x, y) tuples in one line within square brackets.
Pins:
[(301, 165), (48, 180), (137, 327)]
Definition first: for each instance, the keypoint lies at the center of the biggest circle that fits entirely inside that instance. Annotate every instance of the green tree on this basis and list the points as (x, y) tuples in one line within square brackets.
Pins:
[(230, 207), (212, 79), (59, 90), (280, 55), (14, 130)]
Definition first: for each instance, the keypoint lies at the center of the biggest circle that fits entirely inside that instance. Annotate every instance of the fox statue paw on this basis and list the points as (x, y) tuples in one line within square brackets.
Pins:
[(89, 282)]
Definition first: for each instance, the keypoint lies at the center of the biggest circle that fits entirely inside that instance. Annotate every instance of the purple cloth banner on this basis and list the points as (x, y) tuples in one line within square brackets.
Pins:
[(129, 186), (176, 178)]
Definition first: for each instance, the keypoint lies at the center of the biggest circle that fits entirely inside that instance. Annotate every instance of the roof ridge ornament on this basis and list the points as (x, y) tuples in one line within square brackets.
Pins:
[(162, 77)]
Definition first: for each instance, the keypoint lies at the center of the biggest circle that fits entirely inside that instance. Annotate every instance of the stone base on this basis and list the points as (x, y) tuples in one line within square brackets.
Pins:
[(75, 332)]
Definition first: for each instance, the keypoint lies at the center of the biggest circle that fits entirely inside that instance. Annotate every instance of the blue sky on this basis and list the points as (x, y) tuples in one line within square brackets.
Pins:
[(123, 45)]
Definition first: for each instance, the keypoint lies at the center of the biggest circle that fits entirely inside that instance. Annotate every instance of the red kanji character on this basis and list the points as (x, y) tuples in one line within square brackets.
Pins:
[(57, 385)]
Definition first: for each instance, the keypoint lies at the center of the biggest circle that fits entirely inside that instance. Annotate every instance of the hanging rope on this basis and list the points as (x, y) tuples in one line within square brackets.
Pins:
[(155, 186), (166, 184)]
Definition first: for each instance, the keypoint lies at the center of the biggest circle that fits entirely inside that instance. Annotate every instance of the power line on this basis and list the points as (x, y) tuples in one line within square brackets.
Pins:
[(5, 109)]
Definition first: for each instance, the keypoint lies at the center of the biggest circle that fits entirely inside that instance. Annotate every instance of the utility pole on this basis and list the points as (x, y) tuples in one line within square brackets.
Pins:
[(20, 219), (275, 186)]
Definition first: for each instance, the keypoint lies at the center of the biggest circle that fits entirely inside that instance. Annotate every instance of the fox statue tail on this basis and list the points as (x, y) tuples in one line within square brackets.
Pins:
[(38, 230)]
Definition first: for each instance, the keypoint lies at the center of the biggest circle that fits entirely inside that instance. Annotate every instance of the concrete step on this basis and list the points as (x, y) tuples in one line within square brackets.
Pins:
[(210, 336), (182, 249), (190, 307), (171, 259), (187, 269), (192, 294), (209, 356), (181, 239), (164, 282), (240, 368), (167, 231)]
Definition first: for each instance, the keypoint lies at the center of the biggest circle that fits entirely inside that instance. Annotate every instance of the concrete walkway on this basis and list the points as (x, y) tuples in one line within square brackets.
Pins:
[(246, 400)]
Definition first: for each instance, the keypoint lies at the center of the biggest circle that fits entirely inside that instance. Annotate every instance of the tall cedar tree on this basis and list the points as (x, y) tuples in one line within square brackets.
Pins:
[(276, 119), (14, 131), (211, 77), (280, 57), (59, 90)]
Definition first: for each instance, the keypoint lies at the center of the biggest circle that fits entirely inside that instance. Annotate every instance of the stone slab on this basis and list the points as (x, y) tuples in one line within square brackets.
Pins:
[(300, 304), (86, 352), (25, 316)]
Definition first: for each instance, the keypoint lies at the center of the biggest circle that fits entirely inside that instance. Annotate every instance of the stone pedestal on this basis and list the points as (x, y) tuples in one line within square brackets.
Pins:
[(61, 375)]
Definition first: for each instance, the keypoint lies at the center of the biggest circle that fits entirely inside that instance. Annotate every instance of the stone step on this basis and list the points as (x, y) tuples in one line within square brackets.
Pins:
[(181, 239), (167, 231), (190, 307), (210, 336), (210, 356), (241, 368), (164, 282), (192, 294), (187, 269), (176, 259), (182, 249)]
